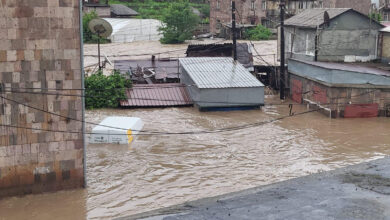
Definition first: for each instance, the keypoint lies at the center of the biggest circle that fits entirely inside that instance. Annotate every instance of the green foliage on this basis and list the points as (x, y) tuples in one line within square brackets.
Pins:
[(205, 10), (258, 33), (105, 91), (179, 23), (151, 9), (375, 16), (88, 36)]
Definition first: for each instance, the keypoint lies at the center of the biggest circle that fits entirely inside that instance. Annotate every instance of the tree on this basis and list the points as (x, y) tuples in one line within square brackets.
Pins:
[(105, 91), (375, 16), (179, 23), (258, 33)]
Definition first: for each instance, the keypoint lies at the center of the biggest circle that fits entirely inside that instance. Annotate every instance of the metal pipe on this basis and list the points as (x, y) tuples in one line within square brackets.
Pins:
[(234, 30), (282, 55), (83, 92)]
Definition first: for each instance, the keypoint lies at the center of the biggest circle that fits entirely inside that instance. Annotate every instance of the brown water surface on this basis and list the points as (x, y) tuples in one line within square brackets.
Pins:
[(159, 171)]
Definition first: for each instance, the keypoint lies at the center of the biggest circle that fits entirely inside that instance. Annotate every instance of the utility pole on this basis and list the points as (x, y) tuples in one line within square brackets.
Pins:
[(234, 30), (282, 54)]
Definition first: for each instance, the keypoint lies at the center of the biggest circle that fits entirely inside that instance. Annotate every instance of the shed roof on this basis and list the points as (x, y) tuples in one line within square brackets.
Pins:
[(157, 95), (386, 29), (312, 18), (218, 72), (122, 10)]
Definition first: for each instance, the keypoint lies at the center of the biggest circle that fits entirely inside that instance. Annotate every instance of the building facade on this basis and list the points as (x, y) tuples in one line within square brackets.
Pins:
[(267, 12), (384, 9), (248, 12), (40, 54)]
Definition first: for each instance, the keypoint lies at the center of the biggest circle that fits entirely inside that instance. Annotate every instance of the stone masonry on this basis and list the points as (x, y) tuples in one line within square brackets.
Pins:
[(40, 48)]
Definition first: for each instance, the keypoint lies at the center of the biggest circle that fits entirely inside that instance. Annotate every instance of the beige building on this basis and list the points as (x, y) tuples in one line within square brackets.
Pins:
[(40, 55)]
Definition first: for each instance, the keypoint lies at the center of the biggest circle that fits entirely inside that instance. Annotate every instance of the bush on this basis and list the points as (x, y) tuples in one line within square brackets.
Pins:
[(179, 23), (105, 91), (258, 33), (88, 36)]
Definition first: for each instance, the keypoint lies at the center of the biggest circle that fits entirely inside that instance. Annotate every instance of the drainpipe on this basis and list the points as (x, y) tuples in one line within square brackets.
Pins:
[(83, 92)]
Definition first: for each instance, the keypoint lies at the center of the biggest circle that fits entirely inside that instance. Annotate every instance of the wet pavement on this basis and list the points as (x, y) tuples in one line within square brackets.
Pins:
[(161, 171), (360, 192)]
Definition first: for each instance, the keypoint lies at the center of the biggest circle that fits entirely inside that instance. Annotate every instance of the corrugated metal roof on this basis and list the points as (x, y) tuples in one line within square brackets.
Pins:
[(122, 10), (314, 17), (157, 95), (218, 72), (364, 68)]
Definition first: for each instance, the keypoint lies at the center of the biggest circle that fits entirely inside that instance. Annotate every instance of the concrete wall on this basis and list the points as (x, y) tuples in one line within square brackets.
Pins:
[(40, 48), (349, 38), (103, 12)]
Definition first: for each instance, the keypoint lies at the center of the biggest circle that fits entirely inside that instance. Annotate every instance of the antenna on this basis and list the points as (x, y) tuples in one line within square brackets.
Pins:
[(103, 29)]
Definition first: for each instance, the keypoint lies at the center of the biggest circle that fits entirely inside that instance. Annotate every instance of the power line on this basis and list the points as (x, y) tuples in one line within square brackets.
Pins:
[(235, 128)]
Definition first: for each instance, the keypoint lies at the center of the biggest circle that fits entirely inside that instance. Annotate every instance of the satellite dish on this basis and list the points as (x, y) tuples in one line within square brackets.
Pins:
[(100, 27), (103, 29)]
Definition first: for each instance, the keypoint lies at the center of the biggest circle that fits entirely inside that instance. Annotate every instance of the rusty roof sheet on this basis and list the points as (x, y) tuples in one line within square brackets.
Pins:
[(157, 95)]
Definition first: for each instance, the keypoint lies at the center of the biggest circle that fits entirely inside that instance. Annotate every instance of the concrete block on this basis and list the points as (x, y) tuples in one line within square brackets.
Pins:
[(53, 147), (26, 148), (11, 55)]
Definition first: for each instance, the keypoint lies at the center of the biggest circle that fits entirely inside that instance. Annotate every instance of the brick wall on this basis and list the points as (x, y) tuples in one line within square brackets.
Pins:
[(40, 48), (337, 99), (362, 6), (221, 12)]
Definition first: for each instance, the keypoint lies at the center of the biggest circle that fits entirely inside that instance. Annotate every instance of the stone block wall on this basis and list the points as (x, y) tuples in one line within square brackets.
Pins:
[(40, 49)]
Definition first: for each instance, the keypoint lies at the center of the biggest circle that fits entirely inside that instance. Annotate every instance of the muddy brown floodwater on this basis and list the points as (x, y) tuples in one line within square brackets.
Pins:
[(159, 171)]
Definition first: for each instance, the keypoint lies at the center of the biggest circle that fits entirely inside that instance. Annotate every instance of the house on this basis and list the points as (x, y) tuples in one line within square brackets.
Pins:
[(244, 53), (341, 89), (332, 34), (384, 9), (220, 82), (102, 8), (385, 45), (122, 11)]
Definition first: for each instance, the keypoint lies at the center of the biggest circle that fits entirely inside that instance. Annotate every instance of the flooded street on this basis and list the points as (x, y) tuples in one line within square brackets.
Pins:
[(159, 171)]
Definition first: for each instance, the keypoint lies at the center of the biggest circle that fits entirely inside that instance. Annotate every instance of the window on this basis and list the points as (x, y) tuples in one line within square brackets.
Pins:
[(385, 16), (218, 5), (252, 5), (264, 4), (300, 5), (321, 4)]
